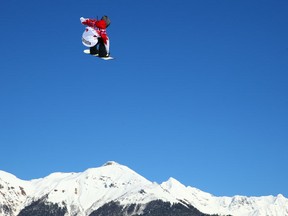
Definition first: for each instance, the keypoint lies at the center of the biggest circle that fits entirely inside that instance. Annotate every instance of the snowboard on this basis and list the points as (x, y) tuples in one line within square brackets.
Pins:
[(87, 51)]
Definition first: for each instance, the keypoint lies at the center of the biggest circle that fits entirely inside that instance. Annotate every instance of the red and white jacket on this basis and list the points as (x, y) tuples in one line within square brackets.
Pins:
[(99, 26)]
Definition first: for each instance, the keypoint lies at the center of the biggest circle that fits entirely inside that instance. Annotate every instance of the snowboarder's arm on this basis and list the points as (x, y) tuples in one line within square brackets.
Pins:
[(82, 19), (88, 22), (93, 23)]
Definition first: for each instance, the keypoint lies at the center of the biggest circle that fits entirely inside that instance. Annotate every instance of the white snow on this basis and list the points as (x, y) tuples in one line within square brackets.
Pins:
[(86, 191), (236, 206)]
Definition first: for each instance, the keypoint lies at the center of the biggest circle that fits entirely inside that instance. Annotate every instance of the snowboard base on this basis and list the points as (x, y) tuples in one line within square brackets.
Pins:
[(87, 51)]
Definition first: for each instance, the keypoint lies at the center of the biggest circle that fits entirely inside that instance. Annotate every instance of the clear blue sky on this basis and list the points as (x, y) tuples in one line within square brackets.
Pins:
[(198, 91)]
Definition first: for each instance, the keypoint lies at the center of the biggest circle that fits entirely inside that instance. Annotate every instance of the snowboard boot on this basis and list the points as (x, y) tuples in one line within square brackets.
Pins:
[(94, 50)]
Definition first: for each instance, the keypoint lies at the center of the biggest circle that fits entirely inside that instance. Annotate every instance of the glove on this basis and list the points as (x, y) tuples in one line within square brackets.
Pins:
[(82, 19)]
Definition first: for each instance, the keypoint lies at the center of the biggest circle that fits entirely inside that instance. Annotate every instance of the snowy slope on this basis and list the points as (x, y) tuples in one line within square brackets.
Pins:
[(236, 206), (13, 193), (83, 193)]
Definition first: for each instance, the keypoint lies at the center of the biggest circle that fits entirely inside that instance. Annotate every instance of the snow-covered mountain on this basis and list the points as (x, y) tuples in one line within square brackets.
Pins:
[(116, 190)]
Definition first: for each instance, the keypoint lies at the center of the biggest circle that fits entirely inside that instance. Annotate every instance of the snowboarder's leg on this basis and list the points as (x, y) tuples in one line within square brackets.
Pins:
[(94, 50), (103, 48)]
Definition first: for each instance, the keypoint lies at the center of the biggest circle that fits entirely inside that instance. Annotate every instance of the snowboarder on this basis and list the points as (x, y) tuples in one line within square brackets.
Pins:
[(102, 48)]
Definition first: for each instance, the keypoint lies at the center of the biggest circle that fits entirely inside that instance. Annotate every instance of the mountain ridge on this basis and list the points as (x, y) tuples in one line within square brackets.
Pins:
[(117, 187)]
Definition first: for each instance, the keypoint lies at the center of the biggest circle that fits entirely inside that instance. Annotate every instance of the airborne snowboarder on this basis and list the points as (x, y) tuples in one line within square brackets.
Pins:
[(95, 36)]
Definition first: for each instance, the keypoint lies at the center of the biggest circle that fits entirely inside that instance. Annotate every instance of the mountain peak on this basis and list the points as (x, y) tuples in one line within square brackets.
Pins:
[(111, 163), (173, 184)]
